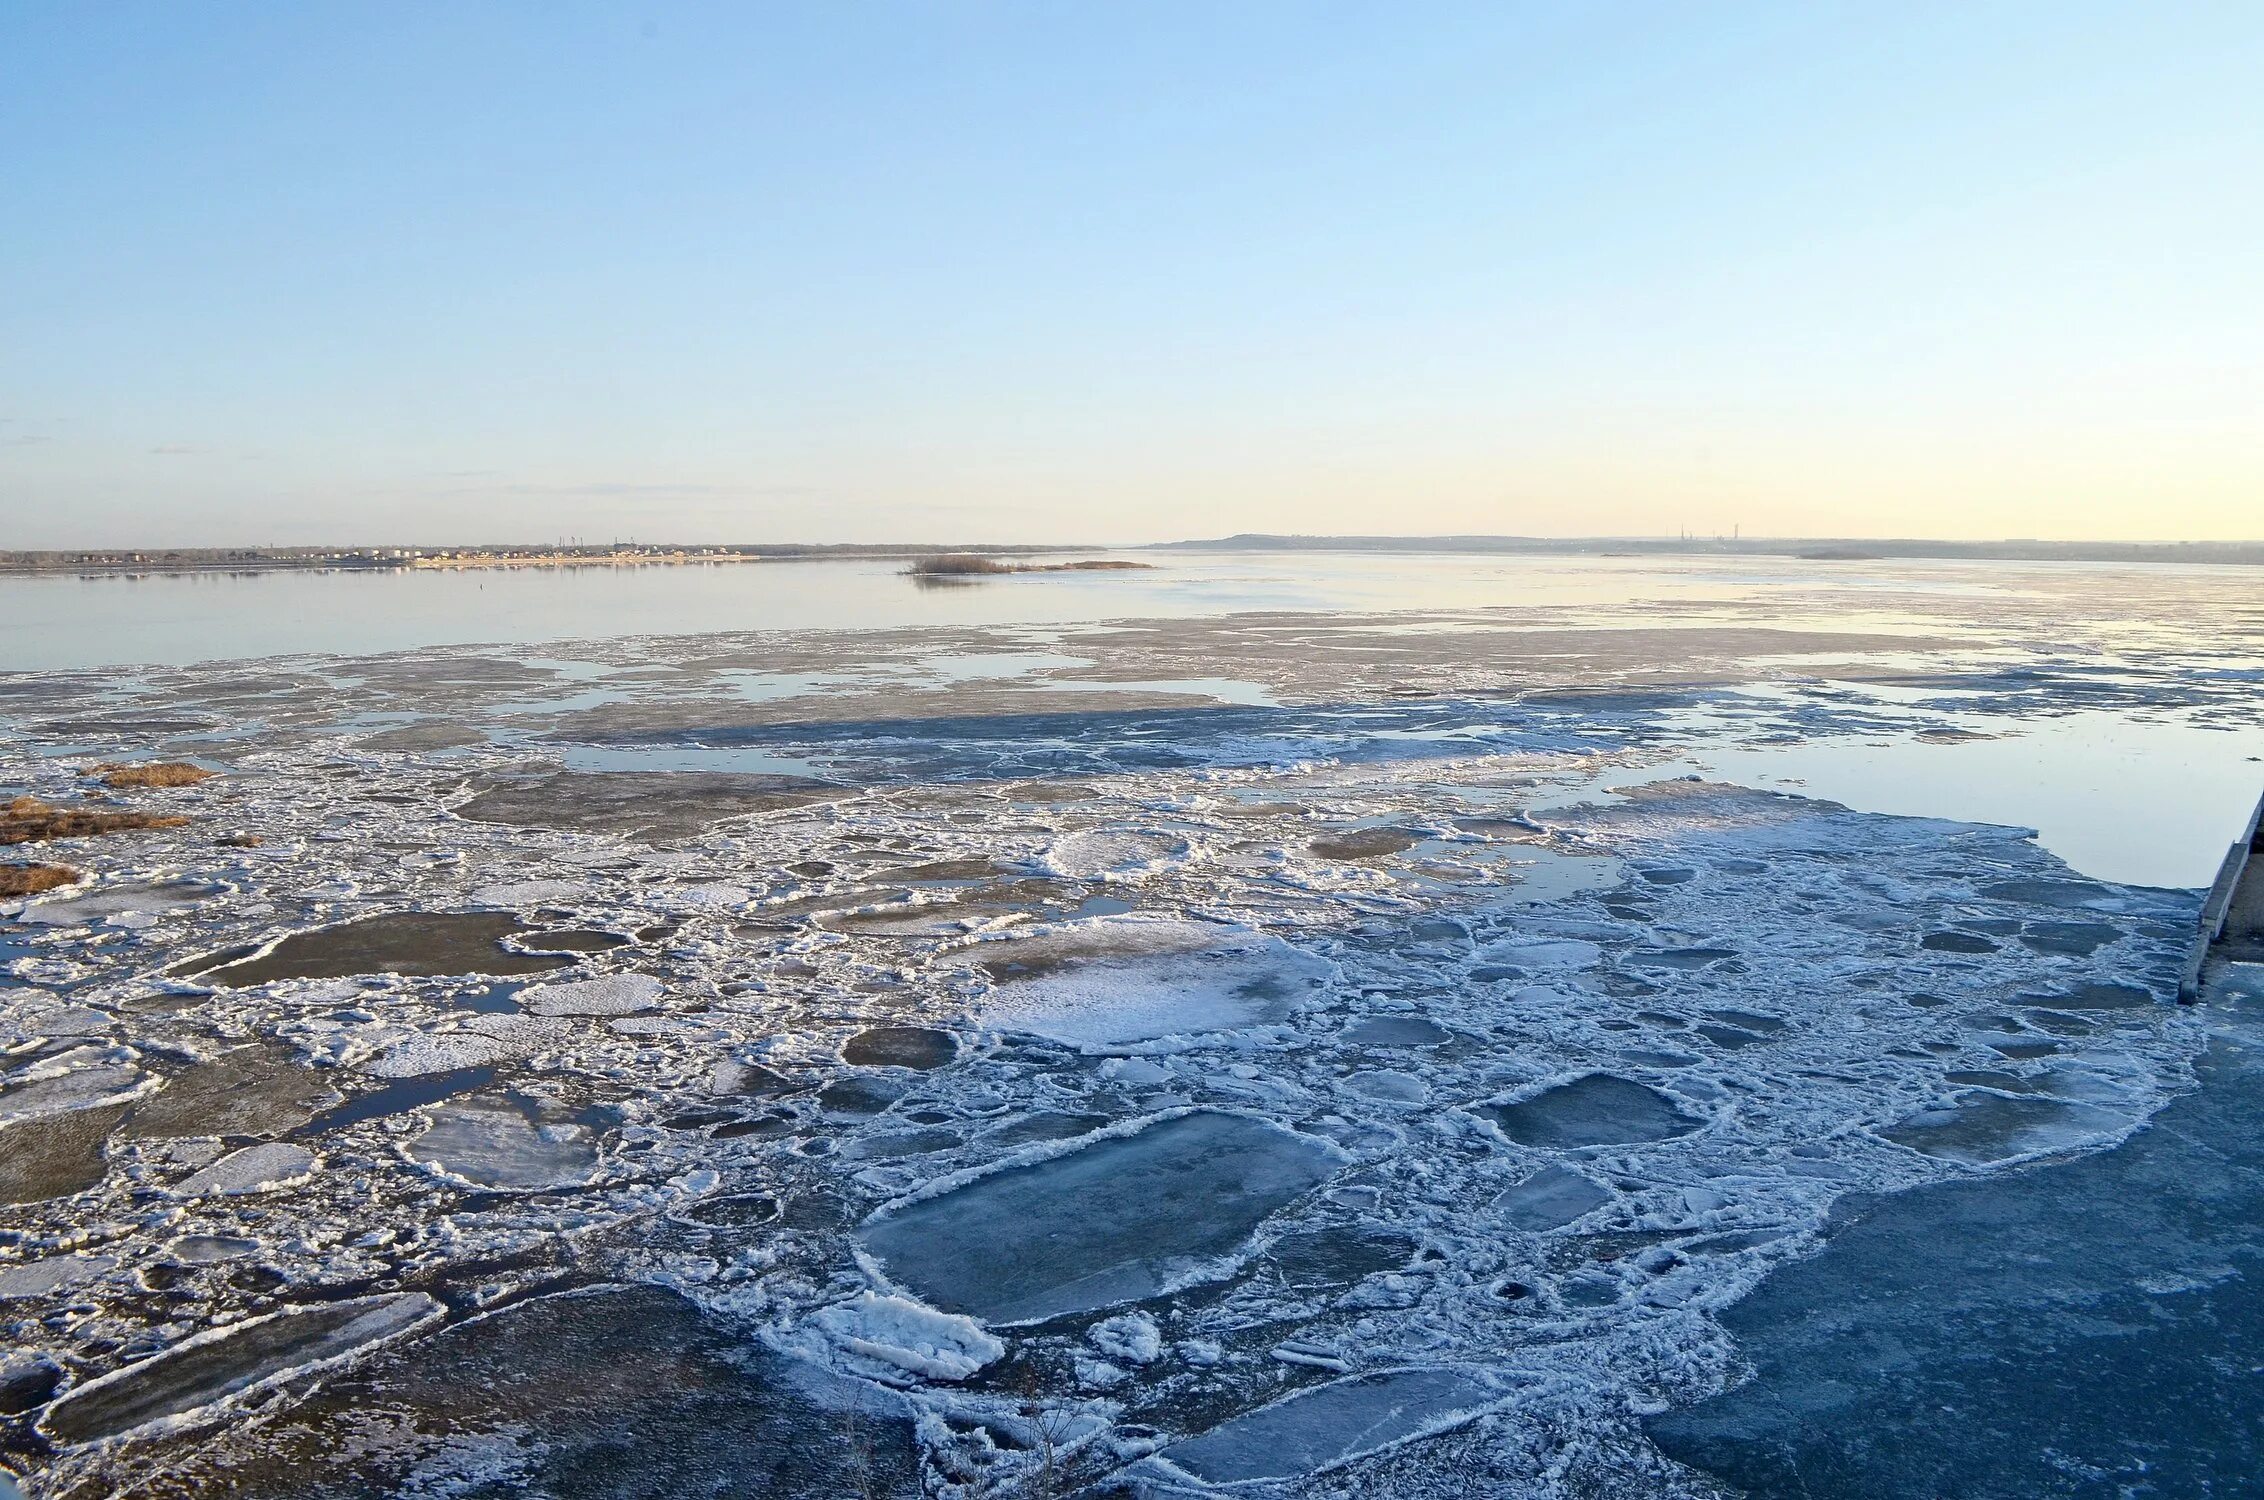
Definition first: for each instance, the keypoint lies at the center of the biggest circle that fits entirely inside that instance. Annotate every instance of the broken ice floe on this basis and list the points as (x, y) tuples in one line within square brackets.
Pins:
[(76, 1088), (499, 1143), (40, 1278), (209, 1249), (1116, 1219), (1323, 1428), (1113, 853), (121, 905), (1550, 1199), (254, 1169), (233, 1362), (408, 943), (917, 1047), (1980, 1128), (531, 892), (1596, 1109)]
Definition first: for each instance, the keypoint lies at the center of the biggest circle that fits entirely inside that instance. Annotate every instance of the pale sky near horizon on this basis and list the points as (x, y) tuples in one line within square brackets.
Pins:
[(425, 272)]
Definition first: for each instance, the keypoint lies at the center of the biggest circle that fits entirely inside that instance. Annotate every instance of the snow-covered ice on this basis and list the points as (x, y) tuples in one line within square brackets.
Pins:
[(612, 995)]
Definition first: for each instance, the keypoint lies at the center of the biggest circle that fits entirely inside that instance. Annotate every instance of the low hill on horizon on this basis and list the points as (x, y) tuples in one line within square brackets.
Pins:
[(1821, 549)]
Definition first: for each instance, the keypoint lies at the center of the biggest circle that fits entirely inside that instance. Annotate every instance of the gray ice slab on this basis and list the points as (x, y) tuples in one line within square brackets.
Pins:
[(67, 1091), (1597, 1110), (1115, 1221), (416, 943), (1320, 1428), (1979, 1128), (900, 1047), (2092, 997), (1395, 1031), (56, 1156), (645, 804), (120, 903), (1550, 1199), (1339, 1255), (205, 1370), (493, 1143)]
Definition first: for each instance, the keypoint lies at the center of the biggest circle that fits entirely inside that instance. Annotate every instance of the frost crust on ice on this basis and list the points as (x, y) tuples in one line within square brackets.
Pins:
[(1132, 1337), (1146, 980), (254, 1169), (609, 995), (910, 1336)]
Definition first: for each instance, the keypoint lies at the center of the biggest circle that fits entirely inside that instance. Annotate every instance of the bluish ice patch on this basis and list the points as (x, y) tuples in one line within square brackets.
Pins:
[(1225, 689), (739, 759), (1053, 744)]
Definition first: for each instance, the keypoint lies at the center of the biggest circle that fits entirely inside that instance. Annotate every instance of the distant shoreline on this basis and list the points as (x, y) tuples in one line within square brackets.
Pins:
[(453, 561), (142, 562), (1810, 549)]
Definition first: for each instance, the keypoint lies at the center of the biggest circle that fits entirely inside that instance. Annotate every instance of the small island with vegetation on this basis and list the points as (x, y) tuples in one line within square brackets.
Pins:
[(977, 565)]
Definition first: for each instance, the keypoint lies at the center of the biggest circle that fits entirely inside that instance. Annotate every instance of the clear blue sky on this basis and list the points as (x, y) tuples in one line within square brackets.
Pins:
[(838, 271)]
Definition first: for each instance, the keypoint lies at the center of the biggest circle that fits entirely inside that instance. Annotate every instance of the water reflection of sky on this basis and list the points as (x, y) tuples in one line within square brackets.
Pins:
[(2102, 761), (211, 617), (2140, 801)]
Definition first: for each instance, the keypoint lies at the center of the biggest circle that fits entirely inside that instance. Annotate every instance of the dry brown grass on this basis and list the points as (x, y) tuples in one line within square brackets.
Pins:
[(119, 776), (30, 880), (27, 820)]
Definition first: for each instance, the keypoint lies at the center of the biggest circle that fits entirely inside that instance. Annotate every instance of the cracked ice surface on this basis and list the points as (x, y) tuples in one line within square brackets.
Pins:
[(1179, 1087)]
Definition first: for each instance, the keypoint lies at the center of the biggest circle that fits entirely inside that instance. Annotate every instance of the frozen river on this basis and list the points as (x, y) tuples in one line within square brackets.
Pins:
[(1294, 1025)]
